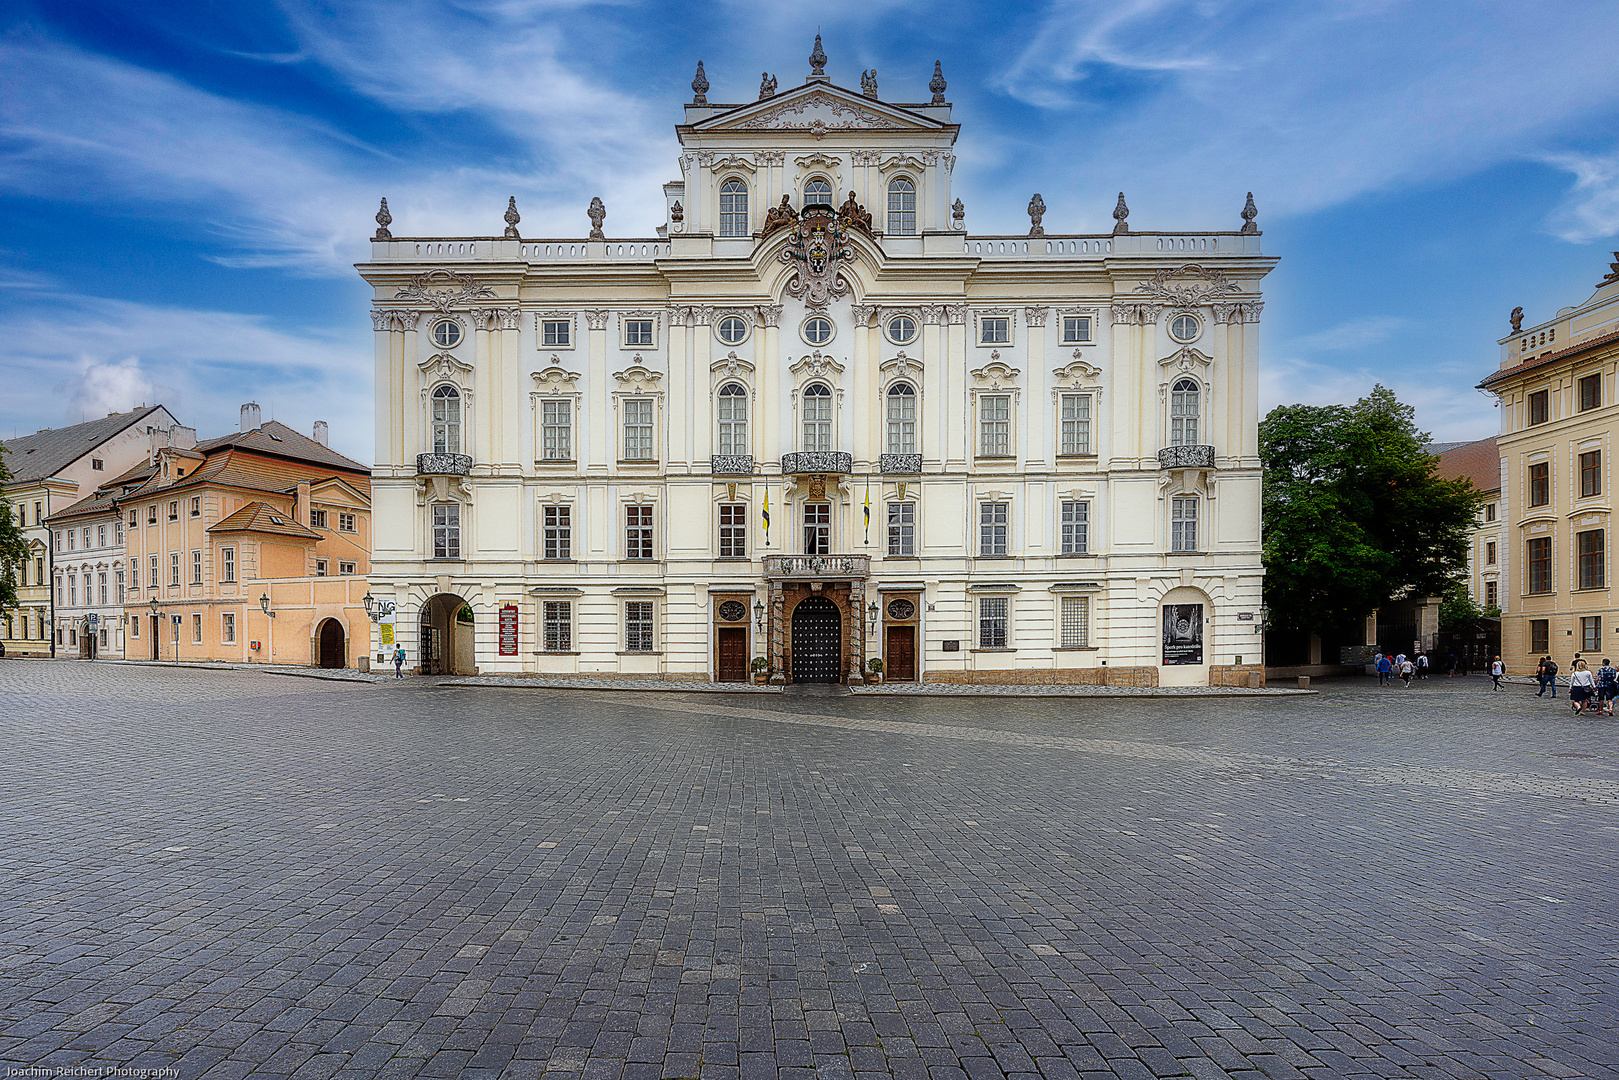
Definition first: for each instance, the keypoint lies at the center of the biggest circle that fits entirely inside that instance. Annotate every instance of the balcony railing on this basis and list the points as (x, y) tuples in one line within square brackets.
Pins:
[(443, 464), (817, 461), (817, 567), (731, 465), (899, 464), (1186, 457)]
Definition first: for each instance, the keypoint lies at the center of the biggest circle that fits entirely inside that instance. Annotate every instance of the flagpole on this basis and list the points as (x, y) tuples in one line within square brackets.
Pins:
[(868, 509)]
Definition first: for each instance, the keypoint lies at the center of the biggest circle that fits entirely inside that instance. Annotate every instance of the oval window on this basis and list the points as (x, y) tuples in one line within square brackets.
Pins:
[(902, 329), (447, 334), (733, 329), (818, 330)]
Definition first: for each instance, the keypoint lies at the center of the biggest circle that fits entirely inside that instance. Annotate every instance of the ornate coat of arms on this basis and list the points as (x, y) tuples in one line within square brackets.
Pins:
[(819, 241)]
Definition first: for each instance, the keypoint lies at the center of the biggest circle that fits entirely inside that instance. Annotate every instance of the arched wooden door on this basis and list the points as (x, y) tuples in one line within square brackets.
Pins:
[(331, 645), (817, 641)]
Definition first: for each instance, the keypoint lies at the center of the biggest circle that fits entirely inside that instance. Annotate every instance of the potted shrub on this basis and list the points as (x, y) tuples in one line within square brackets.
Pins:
[(875, 666), (761, 670)]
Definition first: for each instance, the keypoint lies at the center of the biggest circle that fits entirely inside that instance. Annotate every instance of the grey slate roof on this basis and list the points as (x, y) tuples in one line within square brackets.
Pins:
[(46, 453)]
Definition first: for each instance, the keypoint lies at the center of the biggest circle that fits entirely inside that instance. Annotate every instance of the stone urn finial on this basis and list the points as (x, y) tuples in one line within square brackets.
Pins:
[(597, 214), (938, 85), (1250, 213), (699, 86), (1121, 216), (384, 219), (817, 58), (512, 218)]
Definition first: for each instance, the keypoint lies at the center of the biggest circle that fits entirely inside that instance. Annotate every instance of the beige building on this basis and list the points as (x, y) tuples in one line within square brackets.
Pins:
[(250, 548), (1557, 391), (816, 421), (52, 469), (1480, 462)]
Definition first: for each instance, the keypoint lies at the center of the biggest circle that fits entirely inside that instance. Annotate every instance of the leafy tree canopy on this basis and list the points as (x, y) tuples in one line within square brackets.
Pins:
[(13, 551), (1354, 513)]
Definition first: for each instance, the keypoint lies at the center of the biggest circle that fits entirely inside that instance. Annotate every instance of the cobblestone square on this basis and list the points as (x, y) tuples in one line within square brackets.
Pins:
[(235, 874)]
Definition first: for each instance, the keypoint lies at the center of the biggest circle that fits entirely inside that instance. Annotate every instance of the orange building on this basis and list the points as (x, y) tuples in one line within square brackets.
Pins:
[(251, 548)]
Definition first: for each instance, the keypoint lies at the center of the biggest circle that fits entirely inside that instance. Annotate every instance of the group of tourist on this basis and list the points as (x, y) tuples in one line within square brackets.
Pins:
[(1588, 691)]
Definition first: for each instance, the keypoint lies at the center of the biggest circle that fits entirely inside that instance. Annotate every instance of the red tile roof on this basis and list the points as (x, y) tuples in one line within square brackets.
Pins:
[(261, 517), (1478, 461), (1549, 358)]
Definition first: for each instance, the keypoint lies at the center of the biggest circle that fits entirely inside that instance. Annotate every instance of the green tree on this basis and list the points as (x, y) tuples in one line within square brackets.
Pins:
[(13, 550), (1354, 513), (1458, 612)]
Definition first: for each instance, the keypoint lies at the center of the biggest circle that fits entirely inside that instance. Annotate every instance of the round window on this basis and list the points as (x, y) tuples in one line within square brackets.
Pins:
[(1184, 328), (447, 334), (733, 611), (817, 330), (733, 329), (901, 609), (902, 329)]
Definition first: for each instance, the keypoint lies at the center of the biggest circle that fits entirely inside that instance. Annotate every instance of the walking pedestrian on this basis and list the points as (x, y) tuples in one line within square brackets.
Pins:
[(1422, 666), (1407, 671), (1549, 674), (1497, 669), (399, 661), (1384, 667), (1607, 687), (1450, 666), (1581, 687)]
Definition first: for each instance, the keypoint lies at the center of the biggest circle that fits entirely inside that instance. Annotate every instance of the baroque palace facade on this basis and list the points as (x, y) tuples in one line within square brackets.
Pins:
[(816, 421)]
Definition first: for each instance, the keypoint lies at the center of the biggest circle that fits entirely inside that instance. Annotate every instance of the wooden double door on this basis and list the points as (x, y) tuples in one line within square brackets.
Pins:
[(732, 663), (900, 650)]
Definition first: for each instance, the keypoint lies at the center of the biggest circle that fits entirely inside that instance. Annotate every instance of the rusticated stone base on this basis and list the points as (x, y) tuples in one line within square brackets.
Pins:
[(1249, 675), (1096, 676)]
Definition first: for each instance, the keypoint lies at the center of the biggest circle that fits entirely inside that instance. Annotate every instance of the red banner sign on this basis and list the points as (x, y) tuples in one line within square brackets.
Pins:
[(508, 630)]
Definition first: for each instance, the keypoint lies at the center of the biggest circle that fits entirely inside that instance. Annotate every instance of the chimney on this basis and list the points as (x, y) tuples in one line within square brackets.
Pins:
[(158, 438), (320, 432), (301, 511), (250, 416), (182, 438)]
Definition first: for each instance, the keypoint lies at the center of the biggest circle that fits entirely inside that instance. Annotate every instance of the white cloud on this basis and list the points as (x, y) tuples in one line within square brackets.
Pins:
[(1447, 406), (1591, 210), (100, 386), (1356, 334)]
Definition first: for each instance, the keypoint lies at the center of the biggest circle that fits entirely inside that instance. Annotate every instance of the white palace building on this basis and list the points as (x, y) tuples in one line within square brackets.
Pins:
[(815, 422)]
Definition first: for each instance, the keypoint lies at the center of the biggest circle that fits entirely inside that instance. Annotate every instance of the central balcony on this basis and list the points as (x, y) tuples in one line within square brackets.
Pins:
[(730, 465), (817, 567), (443, 465), (817, 461), (1186, 457)]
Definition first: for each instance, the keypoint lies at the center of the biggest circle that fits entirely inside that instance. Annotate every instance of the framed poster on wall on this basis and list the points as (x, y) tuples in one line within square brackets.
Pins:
[(1183, 634)]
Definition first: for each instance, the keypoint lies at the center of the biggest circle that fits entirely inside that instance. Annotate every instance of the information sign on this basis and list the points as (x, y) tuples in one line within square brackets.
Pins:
[(508, 630)]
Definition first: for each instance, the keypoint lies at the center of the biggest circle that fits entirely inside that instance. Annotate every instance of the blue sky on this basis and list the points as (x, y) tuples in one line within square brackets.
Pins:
[(186, 186)]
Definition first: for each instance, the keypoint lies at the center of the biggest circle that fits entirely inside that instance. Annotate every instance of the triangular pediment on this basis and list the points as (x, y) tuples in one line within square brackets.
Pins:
[(819, 107)]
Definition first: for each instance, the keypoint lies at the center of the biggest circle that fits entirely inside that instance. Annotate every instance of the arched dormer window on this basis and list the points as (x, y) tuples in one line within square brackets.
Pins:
[(817, 417), (1183, 410), (446, 420), (901, 419), (818, 191), (902, 206), (733, 208), (733, 419)]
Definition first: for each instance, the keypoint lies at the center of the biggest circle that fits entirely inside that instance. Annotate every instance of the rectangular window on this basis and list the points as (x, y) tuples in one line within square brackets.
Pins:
[(638, 626), (995, 426), (901, 529), (556, 430), (637, 331), (87, 538), (103, 633), (1540, 406), (1183, 525), (1540, 484), (227, 564), (556, 333), (1076, 622), (196, 507), (227, 628), (101, 536), (637, 429), (733, 531), (317, 519), (174, 568), (196, 628), (135, 626), (817, 528), (1492, 595), (1076, 424), (320, 567), (196, 567), (558, 524), (151, 514), (1489, 512), (557, 625), (1489, 553), (992, 622), (1590, 473), (101, 587), (1592, 550), (97, 464), (1076, 528), (345, 522), (174, 510), (346, 567), (134, 518), (1539, 560), (446, 530), (154, 572), (72, 539), (1590, 633), (1540, 635), (1076, 329), (118, 532), (118, 585), (992, 528), (994, 331), (73, 590), (1590, 392), (638, 532)]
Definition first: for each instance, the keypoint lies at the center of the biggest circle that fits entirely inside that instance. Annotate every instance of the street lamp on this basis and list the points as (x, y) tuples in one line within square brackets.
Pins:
[(758, 615), (872, 611), (157, 639), (269, 635)]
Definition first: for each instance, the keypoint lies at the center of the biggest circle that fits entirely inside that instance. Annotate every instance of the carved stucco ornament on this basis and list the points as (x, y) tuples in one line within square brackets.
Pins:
[(456, 289), (958, 216), (1208, 285), (816, 245)]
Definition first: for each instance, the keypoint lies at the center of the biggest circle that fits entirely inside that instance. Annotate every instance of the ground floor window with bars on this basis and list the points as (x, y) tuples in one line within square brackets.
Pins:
[(638, 626), (556, 625), (1076, 528), (1076, 622), (993, 616)]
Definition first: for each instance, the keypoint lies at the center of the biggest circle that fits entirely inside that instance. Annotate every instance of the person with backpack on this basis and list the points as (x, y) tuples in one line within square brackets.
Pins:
[(1497, 669), (399, 661), (1549, 673), (1384, 668), (1422, 666), (1607, 687)]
